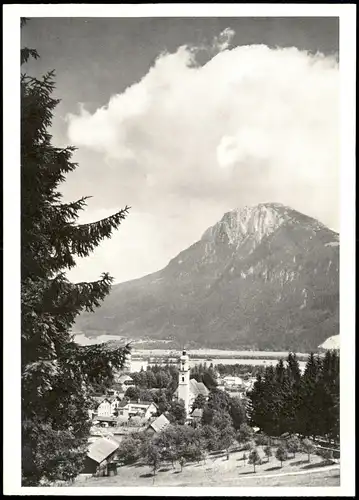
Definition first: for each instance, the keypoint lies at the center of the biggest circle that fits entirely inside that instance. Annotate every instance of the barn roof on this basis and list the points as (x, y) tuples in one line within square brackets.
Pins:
[(102, 448), (160, 423)]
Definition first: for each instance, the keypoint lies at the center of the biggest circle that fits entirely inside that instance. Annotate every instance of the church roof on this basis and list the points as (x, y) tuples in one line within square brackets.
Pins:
[(197, 413), (197, 388)]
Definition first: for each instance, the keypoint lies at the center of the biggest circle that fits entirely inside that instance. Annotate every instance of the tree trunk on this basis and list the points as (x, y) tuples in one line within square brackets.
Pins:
[(281, 464), (254, 467), (308, 457)]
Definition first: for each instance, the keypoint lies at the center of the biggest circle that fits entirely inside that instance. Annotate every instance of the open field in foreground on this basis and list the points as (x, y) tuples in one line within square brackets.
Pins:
[(218, 471)]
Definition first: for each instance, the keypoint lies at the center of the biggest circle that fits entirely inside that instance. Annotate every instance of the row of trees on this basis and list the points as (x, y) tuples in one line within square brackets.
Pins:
[(182, 444), (283, 400), (178, 443)]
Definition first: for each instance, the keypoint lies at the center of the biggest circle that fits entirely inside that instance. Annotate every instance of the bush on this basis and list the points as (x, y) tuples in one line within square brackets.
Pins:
[(261, 440), (129, 451), (245, 433), (325, 454), (268, 451), (249, 445)]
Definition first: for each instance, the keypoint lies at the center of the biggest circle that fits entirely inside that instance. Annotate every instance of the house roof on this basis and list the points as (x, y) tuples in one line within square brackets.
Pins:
[(142, 404), (105, 418), (113, 398), (102, 448), (98, 399), (124, 378), (160, 423), (197, 413)]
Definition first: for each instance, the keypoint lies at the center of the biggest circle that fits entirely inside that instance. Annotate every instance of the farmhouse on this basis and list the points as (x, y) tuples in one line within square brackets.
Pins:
[(107, 406), (99, 456)]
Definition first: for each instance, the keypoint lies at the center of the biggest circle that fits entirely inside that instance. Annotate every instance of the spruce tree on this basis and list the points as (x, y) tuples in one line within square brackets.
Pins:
[(57, 374), (292, 398), (328, 387), (309, 407), (258, 411)]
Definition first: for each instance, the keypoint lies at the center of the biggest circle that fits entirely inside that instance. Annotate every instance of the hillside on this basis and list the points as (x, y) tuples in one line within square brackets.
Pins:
[(263, 277)]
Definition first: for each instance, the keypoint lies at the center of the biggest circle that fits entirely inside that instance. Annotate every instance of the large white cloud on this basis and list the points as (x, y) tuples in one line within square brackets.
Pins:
[(253, 124)]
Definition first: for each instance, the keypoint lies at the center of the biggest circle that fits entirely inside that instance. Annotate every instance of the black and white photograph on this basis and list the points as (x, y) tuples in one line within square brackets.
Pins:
[(179, 212)]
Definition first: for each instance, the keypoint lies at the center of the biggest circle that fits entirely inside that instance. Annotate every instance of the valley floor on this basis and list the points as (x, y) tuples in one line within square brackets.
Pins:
[(218, 471)]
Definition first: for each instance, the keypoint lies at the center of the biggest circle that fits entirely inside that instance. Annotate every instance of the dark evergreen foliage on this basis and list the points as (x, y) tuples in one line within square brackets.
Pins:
[(284, 401), (58, 376)]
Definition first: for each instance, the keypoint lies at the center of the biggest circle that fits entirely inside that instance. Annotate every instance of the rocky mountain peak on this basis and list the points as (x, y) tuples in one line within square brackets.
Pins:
[(252, 222)]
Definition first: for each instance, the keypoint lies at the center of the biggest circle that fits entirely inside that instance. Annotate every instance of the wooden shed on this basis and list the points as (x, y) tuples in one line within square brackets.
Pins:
[(99, 456)]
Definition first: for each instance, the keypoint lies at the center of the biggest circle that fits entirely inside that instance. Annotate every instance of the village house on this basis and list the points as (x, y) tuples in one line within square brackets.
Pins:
[(126, 381), (230, 381), (100, 456), (107, 406), (143, 409), (104, 409)]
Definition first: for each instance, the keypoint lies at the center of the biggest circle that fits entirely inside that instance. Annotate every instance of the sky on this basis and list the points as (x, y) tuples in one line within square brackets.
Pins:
[(186, 119)]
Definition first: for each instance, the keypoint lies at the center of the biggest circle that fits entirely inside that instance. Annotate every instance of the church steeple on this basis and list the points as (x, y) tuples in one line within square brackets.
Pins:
[(183, 379)]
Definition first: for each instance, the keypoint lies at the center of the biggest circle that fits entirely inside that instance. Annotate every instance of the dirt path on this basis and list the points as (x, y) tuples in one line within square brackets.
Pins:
[(297, 473)]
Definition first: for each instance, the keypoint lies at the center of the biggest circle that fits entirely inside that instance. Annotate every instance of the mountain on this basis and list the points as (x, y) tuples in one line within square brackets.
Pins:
[(263, 277)]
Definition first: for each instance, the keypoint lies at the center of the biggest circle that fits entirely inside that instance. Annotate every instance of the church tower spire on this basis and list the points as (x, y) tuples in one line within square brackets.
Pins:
[(183, 379)]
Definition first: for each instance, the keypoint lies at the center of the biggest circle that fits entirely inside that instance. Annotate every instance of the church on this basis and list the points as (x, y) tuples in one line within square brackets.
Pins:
[(188, 389)]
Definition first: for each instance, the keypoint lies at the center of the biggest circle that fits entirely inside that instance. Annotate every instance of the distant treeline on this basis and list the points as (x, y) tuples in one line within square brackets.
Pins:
[(239, 370)]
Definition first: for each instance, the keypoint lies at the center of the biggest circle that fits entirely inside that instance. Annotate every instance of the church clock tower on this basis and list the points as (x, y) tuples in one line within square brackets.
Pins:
[(183, 379)]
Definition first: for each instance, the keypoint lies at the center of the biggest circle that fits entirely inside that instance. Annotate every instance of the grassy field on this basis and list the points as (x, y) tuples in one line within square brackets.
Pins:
[(218, 471)]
